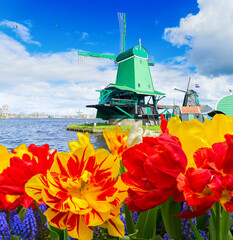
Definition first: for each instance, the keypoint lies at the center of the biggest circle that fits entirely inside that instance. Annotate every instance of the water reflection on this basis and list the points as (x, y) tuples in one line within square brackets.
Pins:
[(98, 140)]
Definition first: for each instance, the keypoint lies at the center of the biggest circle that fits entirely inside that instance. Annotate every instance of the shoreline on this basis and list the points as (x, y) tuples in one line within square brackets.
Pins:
[(99, 128)]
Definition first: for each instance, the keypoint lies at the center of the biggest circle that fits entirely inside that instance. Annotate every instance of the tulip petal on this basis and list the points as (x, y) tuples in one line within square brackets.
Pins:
[(115, 227), (34, 187)]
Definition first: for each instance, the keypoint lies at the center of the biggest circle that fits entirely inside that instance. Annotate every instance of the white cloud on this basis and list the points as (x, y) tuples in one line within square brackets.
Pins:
[(53, 83), (22, 31), (168, 76), (208, 34)]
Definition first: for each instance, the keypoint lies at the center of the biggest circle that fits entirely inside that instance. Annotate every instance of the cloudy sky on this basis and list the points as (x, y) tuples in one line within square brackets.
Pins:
[(40, 70)]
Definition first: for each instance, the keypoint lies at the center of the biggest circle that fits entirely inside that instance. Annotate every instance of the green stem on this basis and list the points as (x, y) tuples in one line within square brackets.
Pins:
[(213, 215), (129, 220), (212, 228), (122, 168), (225, 224), (195, 230), (146, 224), (172, 223), (218, 220)]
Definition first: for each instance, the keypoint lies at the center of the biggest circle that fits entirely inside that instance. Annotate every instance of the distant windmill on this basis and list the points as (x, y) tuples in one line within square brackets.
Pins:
[(79, 113), (191, 97)]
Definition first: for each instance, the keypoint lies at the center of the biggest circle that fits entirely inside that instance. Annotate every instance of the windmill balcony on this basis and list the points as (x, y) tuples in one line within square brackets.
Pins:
[(117, 101)]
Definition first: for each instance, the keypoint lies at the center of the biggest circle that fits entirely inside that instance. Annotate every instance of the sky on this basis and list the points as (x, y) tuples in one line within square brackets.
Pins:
[(40, 70)]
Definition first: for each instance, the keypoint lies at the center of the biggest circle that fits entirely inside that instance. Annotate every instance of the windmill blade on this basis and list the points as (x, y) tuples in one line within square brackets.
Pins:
[(186, 95), (95, 58), (188, 84), (93, 61), (122, 28), (185, 101), (151, 60), (179, 90)]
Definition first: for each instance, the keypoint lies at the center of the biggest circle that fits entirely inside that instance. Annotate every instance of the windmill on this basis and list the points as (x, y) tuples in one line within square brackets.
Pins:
[(132, 97), (191, 97)]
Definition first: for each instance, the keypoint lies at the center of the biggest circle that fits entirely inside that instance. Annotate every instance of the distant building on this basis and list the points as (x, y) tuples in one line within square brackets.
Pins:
[(225, 105), (4, 111), (205, 109), (194, 112)]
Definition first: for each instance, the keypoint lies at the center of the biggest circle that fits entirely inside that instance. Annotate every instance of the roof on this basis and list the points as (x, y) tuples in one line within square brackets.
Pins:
[(125, 88), (202, 106), (205, 109), (190, 110), (138, 51)]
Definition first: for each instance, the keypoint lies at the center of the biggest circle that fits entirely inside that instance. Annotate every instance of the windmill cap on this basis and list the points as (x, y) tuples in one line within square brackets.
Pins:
[(137, 51)]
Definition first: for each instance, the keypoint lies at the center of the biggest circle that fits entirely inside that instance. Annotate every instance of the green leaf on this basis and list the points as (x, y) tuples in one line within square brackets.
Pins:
[(218, 210), (195, 230), (55, 233), (135, 238), (122, 168), (201, 222), (212, 229), (230, 235), (22, 213), (172, 223), (146, 224), (157, 237), (42, 216), (225, 224), (66, 235), (159, 215), (125, 238), (14, 238), (129, 220)]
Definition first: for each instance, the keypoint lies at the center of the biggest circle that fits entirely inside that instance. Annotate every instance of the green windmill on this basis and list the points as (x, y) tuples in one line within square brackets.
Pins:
[(132, 97)]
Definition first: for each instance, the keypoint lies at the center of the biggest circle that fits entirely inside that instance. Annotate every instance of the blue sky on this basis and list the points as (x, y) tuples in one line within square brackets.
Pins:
[(98, 19), (185, 37)]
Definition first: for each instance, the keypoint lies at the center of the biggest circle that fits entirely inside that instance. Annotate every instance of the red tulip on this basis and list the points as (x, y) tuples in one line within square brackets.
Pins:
[(212, 181), (152, 170)]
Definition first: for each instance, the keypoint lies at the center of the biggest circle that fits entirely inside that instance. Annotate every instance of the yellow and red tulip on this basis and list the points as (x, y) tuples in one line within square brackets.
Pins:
[(116, 140), (82, 190)]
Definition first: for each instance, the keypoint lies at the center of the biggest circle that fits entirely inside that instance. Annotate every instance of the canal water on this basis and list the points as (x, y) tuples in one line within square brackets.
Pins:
[(16, 131)]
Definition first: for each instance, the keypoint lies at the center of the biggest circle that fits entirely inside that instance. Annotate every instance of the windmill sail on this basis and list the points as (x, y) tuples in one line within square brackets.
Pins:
[(186, 96), (122, 27), (151, 60)]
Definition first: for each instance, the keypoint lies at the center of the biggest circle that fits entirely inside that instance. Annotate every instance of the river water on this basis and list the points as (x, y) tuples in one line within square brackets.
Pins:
[(39, 131)]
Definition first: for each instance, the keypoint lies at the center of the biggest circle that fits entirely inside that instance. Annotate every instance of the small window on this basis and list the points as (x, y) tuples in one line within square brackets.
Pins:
[(149, 86), (139, 85)]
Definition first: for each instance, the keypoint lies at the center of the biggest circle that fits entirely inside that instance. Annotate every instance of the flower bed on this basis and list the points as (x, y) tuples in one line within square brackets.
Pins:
[(174, 185)]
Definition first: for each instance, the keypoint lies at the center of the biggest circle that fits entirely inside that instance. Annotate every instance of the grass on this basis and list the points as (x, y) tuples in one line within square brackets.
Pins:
[(101, 126)]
